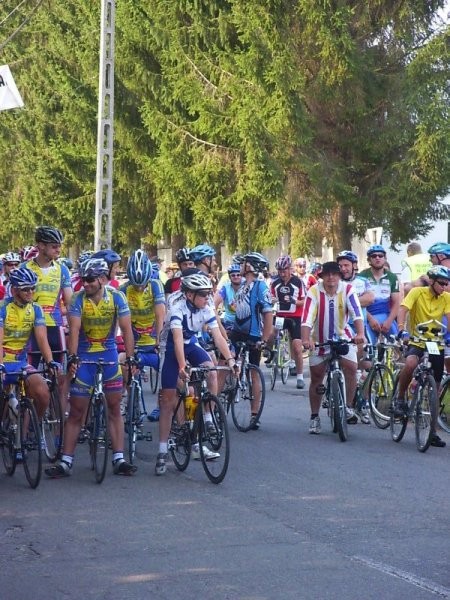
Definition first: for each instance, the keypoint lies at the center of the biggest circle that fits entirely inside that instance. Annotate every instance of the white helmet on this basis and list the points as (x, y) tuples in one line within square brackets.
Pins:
[(195, 282)]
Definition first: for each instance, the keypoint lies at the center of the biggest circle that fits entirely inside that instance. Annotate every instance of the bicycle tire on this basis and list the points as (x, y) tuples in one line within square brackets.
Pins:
[(285, 356), (133, 415), (397, 424), (425, 412), (154, 379), (444, 406), (30, 442), (380, 387), (53, 427), (99, 437), (241, 409), (218, 441), (338, 395), (179, 442), (8, 438), (273, 375)]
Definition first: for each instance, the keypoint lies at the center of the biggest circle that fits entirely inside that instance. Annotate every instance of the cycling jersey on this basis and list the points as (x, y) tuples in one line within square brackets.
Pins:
[(385, 286), (18, 323), (423, 305), (172, 285), (183, 315), (228, 295), (50, 283), (98, 321), (287, 294), (252, 300), (141, 303)]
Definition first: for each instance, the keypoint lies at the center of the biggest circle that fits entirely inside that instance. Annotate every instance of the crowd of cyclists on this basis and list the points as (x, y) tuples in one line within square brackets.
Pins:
[(71, 315)]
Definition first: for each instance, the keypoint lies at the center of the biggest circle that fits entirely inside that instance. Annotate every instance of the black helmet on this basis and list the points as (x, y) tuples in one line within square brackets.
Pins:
[(48, 235), (183, 255), (257, 261)]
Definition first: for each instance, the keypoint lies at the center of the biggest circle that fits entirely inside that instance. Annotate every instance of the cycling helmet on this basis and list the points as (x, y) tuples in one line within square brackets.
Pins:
[(315, 268), (195, 282), (29, 252), (438, 271), (347, 255), (68, 262), (440, 248), (183, 255), (48, 235), (11, 257), (94, 267), (257, 261), (282, 263), (22, 278), (238, 258), (300, 262), (234, 268), (85, 255), (375, 248), (200, 252), (139, 268), (108, 255)]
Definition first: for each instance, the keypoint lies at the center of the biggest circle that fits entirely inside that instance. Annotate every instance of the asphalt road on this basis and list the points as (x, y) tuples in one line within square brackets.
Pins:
[(297, 516)]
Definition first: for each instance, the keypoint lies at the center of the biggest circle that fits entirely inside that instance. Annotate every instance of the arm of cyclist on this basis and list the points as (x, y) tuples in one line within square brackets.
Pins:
[(366, 298), (178, 344), (72, 344), (222, 345), (306, 337), (395, 304), (160, 313), (128, 340)]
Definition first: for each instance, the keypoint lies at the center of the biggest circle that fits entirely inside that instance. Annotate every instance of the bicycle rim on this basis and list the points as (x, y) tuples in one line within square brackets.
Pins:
[(425, 409), (340, 417), (30, 434), (380, 388), (216, 443), (53, 427), (8, 437), (99, 437), (273, 376), (397, 424), (444, 406), (285, 354), (132, 418), (154, 377), (241, 407)]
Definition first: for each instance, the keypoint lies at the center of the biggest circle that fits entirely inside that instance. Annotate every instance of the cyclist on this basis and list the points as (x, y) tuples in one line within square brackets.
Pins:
[(145, 297), (77, 284), (11, 260), (423, 304), (439, 255), (112, 259), (381, 314), (94, 315), (329, 306), (184, 262), (289, 293), (188, 314), (226, 295), (20, 317), (415, 263), (28, 252), (253, 321), (308, 279)]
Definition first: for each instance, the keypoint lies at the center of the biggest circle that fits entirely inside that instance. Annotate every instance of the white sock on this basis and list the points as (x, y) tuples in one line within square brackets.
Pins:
[(163, 447), (300, 377)]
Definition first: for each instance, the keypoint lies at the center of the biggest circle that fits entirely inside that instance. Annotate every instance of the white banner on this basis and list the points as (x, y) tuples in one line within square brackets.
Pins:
[(9, 94)]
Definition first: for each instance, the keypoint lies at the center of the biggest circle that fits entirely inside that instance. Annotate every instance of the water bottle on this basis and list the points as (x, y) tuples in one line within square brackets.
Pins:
[(13, 404), (190, 405)]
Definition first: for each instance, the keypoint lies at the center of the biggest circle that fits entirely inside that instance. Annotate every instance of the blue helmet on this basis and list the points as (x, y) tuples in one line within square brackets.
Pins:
[(440, 248), (375, 249), (22, 278), (139, 268), (94, 267), (200, 252), (438, 271), (108, 255), (66, 261), (234, 268), (85, 255), (347, 255)]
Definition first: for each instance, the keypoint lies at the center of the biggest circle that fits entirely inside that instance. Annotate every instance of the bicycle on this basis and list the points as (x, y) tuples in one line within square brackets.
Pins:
[(334, 389), (136, 411), (52, 422), (422, 391), (281, 353), (241, 395), (189, 428), (20, 433), (95, 428), (444, 404)]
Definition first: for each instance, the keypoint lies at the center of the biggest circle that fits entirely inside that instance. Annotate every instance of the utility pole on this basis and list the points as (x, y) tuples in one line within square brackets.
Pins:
[(105, 131)]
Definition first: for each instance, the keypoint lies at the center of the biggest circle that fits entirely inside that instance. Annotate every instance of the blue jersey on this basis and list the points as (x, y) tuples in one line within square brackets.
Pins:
[(228, 295), (252, 300)]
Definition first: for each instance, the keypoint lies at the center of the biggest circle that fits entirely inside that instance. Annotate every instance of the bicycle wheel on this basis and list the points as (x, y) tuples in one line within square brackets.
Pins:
[(241, 406), (133, 416), (99, 437), (397, 424), (338, 396), (444, 406), (215, 441), (425, 411), (154, 378), (380, 386), (30, 442), (273, 373), (8, 438), (179, 443), (53, 427), (285, 358)]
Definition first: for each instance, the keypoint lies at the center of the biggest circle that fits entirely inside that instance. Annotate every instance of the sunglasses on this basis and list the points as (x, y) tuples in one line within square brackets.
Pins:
[(442, 283), (11, 264), (235, 275), (88, 279), (203, 294), (27, 289), (377, 256)]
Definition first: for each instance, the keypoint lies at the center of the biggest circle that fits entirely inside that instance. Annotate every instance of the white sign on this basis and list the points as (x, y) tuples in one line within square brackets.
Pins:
[(9, 94)]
